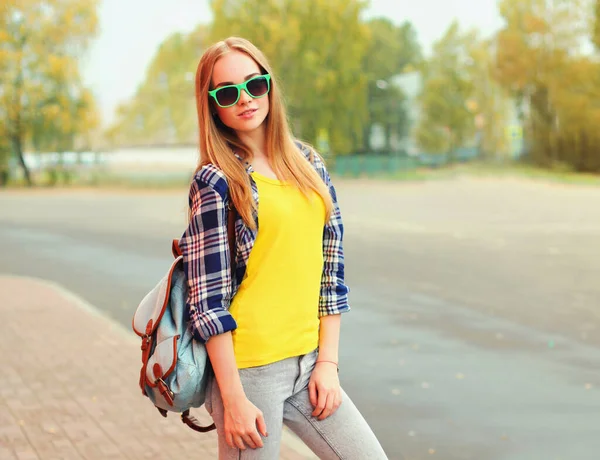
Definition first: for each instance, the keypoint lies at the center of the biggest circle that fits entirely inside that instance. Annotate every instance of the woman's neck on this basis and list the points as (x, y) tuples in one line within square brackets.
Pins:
[(255, 140)]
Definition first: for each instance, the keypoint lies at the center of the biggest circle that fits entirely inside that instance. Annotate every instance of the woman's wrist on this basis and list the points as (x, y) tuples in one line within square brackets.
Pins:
[(325, 361), (231, 396), (222, 358)]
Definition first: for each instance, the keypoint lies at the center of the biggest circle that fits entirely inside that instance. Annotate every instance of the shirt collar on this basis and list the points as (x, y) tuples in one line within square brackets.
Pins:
[(248, 166)]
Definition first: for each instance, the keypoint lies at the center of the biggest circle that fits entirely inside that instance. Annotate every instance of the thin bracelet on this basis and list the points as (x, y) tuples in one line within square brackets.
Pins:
[(331, 362)]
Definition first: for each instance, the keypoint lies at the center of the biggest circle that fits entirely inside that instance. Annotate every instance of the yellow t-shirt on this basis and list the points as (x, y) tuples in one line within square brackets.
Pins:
[(277, 304)]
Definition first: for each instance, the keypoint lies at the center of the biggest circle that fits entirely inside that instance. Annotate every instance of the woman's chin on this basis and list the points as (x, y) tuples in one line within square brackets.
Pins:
[(248, 126)]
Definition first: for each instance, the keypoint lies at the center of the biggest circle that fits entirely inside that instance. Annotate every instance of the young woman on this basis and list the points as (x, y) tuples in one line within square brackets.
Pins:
[(271, 325)]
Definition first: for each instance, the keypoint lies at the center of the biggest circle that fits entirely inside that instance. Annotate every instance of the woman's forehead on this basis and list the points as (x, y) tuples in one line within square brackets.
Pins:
[(233, 67)]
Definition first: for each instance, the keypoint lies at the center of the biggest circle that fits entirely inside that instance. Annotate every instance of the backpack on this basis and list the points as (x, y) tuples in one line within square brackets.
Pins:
[(175, 366)]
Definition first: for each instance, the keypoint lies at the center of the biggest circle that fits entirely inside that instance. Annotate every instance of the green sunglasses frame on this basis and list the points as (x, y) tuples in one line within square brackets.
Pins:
[(240, 87)]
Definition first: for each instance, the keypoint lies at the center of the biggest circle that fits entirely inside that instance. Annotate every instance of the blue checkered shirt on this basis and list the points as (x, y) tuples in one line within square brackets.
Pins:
[(206, 254)]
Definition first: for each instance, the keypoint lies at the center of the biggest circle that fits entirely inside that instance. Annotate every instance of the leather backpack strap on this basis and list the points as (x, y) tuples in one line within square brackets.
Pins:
[(175, 249), (190, 421), (193, 423)]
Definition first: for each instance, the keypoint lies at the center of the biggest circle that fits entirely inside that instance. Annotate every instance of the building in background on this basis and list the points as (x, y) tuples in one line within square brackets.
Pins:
[(411, 84)]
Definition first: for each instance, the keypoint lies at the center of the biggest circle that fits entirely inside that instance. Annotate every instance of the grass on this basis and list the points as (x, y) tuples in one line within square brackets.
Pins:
[(488, 170), (531, 172), (177, 180)]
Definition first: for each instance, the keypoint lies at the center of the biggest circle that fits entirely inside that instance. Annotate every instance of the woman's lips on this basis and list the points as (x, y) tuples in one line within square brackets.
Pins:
[(247, 113)]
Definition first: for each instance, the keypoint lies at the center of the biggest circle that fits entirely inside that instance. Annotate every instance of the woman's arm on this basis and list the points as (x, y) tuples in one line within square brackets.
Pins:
[(334, 291), (324, 387), (329, 338), (243, 420), (206, 261), (222, 358)]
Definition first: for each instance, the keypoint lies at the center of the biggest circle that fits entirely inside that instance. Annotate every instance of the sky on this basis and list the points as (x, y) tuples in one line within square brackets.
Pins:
[(132, 30)]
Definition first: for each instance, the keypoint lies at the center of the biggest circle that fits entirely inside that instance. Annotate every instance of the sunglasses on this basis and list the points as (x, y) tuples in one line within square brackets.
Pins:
[(256, 87)]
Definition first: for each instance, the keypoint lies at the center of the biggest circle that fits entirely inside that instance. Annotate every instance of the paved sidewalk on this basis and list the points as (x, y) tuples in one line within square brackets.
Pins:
[(70, 386)]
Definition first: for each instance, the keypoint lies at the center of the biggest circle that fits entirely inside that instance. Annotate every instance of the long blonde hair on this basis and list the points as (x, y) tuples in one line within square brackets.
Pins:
[(218, 142)]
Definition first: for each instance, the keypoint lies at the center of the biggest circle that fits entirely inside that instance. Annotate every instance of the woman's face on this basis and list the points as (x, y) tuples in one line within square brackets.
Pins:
[(248, 113)]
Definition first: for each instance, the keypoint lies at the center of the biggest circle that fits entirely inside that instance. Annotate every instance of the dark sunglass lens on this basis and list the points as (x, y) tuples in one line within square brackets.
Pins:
[(258, 86), (227, 96)]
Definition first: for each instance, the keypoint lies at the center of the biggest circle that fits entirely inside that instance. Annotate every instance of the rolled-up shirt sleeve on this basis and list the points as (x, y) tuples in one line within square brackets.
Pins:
[(334, 292), (206, 259)]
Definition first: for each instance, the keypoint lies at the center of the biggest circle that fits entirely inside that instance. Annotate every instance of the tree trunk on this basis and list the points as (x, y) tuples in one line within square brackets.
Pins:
[(18, 149), (388, 137), (17, 131), (367, 137)]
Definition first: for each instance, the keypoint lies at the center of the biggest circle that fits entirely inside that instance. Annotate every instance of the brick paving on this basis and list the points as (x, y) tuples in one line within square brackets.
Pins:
[(69, 386)]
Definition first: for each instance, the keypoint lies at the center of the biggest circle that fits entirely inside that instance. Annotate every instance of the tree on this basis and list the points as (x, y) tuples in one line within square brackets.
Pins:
[(392, 50), (163, 108), (41, 92), (538, 50), (489, 103), (5, 153), (446, 122), (577, 114), (316, 48)]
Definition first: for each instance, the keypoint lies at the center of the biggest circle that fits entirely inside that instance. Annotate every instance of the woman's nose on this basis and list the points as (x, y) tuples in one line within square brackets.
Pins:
[(244, 97)]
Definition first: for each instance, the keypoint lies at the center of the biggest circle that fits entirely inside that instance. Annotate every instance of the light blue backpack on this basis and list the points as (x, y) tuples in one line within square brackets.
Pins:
[(175, 366)]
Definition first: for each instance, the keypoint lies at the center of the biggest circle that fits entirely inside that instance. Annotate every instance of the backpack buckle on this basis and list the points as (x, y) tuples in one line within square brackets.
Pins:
[(165, 391)]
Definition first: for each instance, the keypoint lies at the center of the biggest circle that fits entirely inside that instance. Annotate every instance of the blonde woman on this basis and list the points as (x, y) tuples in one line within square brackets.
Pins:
[(272, 324)]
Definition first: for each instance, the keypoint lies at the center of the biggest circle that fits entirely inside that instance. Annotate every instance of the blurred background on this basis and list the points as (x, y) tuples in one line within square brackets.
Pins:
[(382, 87), (463, 139)]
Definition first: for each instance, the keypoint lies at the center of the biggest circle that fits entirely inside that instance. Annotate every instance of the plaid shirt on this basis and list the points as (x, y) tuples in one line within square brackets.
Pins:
[(206, 257)]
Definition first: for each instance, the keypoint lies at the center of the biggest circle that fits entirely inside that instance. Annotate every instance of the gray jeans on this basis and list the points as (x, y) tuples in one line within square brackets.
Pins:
[(280, 391)]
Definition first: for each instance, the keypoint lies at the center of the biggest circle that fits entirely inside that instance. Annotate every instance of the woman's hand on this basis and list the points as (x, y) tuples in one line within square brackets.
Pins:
[(243, 422), (324, 390)]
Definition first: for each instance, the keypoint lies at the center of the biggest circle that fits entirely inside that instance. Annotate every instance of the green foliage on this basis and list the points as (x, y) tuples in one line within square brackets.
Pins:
[(327, 59), (43, 103), (539, 61), (316, 48), (392, 50), (446, 123), (489, 103)]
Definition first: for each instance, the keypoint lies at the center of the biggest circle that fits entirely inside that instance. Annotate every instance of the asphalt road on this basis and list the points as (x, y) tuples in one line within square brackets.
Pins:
[(475, 325)]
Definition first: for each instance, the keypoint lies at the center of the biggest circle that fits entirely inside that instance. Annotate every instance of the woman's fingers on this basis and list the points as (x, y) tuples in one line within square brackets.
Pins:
[(243, 424), (321, 403), (327, 403), (229, 439), (312, 393), (238, 442), (261, 425), (328, 406), (243, 437), (252, 440)]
